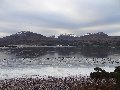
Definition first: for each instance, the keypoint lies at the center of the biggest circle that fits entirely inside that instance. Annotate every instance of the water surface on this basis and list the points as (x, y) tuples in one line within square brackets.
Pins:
[(56, 61)]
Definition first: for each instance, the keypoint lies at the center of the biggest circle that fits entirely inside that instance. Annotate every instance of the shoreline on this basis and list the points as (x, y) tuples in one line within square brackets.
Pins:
[(47, 71)]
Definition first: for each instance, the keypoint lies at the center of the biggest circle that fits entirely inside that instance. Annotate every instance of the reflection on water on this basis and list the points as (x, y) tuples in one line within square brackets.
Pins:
[(33, 52), (95, 52), (68, 58)]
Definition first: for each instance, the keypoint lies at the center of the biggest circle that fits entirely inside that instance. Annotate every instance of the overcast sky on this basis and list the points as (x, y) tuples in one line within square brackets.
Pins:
[(50, 17)]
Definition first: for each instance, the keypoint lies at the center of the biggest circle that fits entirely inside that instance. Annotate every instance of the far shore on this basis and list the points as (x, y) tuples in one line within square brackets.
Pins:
[(41, 46), (57, 46), (21, 46)]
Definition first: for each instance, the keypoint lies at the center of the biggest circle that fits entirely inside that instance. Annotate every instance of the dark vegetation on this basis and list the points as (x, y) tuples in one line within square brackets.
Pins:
[(99, 39), (102, 74)]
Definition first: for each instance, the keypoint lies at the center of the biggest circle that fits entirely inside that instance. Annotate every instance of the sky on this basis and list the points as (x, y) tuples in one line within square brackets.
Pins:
[(48, 17)]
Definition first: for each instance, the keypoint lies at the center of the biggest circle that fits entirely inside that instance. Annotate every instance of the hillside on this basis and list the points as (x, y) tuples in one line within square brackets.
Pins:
[(24, 37), (30, 38)]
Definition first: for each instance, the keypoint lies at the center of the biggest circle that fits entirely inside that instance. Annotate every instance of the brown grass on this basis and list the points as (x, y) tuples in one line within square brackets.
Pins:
[(52, 83)]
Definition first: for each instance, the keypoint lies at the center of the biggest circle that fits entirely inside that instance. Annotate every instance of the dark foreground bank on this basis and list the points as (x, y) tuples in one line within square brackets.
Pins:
[(52, 83)]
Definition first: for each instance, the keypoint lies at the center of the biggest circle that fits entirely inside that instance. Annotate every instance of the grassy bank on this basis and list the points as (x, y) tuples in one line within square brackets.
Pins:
[(52, 83)]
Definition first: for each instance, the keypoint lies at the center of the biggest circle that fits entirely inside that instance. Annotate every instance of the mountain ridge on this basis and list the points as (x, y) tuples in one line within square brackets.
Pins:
[(30, 38)]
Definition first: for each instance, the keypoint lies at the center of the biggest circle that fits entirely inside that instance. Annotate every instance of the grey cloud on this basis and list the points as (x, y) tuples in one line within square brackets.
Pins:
[(44, 19), (108, 14), (105, 21), (59, 21), (9, 30)]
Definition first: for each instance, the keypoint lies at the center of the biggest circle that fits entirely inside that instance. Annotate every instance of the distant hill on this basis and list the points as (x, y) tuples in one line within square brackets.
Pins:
[(23, 38), (30, 38)]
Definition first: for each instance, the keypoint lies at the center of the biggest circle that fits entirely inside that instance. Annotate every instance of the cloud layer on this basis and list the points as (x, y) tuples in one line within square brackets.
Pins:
[(49, 17)]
